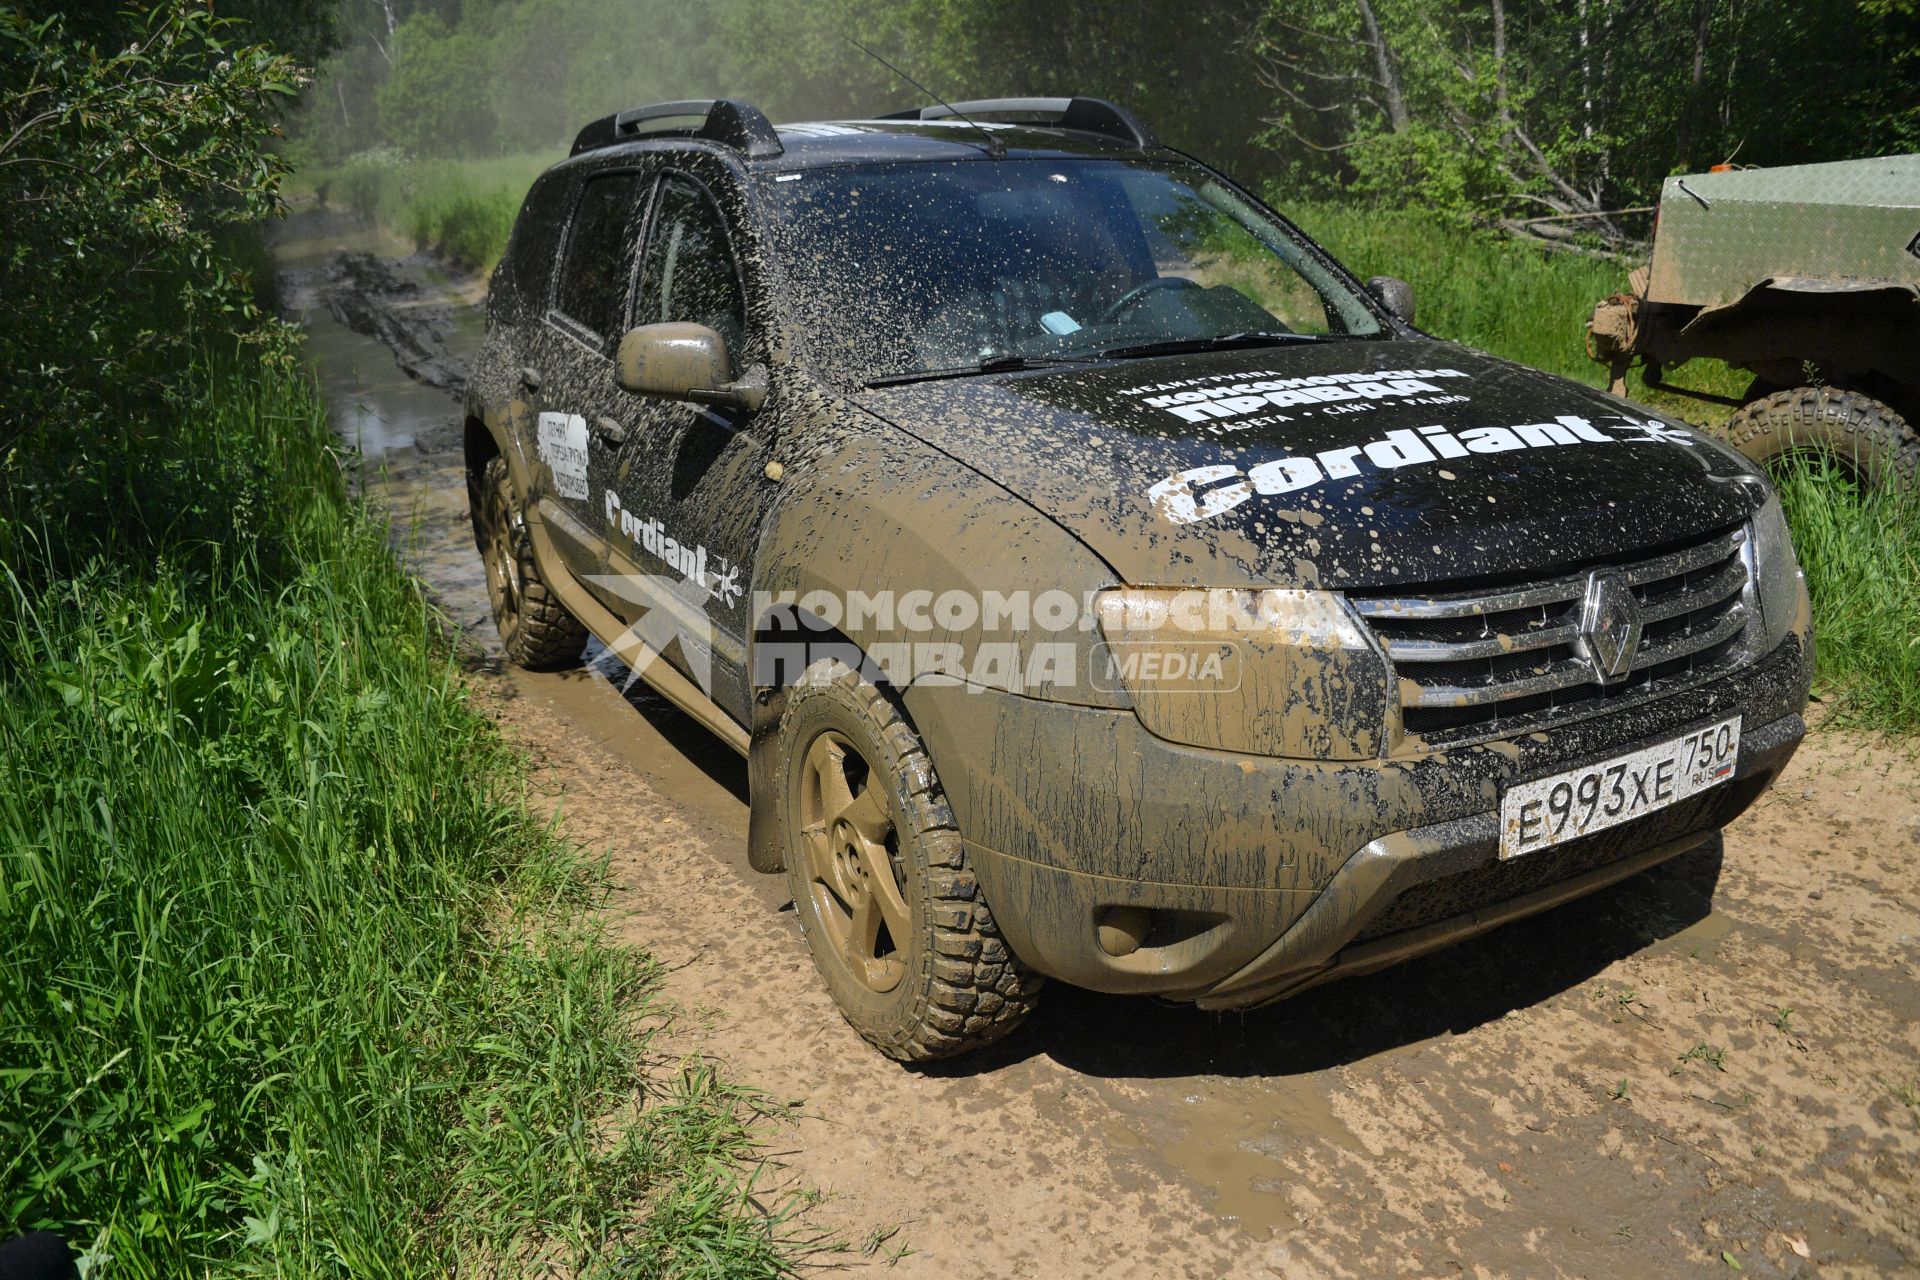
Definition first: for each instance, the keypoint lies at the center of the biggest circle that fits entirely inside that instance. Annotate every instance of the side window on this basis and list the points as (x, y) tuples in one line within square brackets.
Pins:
[(593, 276), (688, 272)]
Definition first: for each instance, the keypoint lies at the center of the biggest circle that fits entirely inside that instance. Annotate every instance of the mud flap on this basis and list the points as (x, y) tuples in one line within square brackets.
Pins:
[(766, 847)]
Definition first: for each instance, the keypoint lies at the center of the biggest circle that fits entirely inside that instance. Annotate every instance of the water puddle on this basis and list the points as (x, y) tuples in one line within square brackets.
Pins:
[(1697, 938), (1238, 1143), (406, 432)]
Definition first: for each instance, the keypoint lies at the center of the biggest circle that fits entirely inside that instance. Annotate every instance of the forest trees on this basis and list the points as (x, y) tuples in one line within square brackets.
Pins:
[(1548, 116)]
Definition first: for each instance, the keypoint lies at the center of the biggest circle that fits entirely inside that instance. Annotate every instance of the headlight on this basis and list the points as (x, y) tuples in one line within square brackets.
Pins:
[(1778, 584), (1278, 672)]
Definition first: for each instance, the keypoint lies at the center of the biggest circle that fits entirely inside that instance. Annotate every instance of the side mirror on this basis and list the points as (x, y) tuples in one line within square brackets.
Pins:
[(686, 362), (1393, 293)]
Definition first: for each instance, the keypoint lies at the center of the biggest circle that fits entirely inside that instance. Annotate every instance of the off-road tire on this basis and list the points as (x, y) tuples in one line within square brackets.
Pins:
[(535, 628), (962, 987), (1877, 444)]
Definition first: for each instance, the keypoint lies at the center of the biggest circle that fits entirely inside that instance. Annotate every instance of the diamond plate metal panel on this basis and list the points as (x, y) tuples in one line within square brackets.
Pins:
[(1722, 233)]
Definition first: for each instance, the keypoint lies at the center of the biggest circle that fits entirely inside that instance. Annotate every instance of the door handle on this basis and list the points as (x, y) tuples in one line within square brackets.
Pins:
[(530, 378), (610, 431)]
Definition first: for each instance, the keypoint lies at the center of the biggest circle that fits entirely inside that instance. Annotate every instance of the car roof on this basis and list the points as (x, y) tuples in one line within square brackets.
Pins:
[(812, 144), (995, 128)]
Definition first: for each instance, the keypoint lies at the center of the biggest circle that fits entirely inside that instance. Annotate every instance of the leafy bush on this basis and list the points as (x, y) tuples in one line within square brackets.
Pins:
[(292, 982), (127, 149), (429, 104)]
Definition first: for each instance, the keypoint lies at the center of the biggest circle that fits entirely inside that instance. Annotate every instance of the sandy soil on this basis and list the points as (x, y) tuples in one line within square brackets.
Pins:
[(1713, 1065)]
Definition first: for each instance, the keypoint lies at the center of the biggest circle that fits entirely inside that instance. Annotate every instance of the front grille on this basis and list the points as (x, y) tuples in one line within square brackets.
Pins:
[(1499, 661)]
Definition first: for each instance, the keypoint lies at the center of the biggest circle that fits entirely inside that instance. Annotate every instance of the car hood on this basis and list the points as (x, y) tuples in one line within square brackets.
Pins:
[(1343, 465)]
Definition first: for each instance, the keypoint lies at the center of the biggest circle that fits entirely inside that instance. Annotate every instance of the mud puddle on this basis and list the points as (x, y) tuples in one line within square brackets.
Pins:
[(1720, 1058)]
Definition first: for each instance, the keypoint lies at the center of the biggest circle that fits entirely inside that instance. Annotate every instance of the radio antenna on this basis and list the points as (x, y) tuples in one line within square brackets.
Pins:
[(993, 146)]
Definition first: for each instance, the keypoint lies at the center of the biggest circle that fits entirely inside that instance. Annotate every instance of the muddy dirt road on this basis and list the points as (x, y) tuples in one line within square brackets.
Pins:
[(1714, 1064)]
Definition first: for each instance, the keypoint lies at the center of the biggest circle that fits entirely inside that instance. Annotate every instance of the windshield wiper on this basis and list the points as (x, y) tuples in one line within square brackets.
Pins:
[(992, 364), (1220, 342)]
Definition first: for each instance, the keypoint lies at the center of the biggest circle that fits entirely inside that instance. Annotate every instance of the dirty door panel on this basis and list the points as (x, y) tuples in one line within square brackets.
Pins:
[(688, 496), (572, 366)]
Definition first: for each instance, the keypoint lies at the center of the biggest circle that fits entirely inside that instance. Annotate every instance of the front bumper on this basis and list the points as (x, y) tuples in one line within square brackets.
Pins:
[(1264, 876)]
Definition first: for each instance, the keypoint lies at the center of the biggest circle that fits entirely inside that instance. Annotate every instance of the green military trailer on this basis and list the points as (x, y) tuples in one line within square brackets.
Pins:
[(1809, 278)]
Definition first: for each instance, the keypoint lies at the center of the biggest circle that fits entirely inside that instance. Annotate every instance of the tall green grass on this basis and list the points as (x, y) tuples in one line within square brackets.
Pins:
[(464, 209), (293, 984), (1861, 554), (1523, 303)]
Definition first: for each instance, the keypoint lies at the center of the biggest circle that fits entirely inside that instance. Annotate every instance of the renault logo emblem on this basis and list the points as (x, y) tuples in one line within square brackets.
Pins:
[(1609, 625)]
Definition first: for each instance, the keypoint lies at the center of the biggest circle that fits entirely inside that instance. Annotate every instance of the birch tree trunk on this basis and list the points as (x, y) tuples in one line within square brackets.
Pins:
[(1395, 101)]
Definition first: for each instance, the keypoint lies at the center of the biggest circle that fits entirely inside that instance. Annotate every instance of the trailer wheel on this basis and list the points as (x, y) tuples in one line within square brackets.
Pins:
[(1876, 444)]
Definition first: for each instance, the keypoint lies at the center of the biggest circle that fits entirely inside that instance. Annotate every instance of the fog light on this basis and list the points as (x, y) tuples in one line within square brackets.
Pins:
[(1122, 929)]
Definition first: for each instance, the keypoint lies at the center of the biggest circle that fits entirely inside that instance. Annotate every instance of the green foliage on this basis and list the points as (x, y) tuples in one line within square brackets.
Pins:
[(511, 76), (1508, 109), (1526, 303), (127, 151), (293, 983), (1546, 109), (1182, 68), (536, 70)]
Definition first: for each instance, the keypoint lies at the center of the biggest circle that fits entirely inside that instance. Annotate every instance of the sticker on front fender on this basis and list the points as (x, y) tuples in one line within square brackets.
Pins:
[(1547, 811)]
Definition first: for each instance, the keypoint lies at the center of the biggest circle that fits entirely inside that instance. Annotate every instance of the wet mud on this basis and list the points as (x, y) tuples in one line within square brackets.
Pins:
[(402, 311), (1718, 1059)]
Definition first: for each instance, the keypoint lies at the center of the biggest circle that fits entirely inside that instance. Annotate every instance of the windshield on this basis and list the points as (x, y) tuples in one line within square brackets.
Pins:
[(898, 269)]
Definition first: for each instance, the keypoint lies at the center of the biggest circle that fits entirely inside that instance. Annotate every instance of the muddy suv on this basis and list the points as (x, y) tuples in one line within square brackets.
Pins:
[(1099, 581)]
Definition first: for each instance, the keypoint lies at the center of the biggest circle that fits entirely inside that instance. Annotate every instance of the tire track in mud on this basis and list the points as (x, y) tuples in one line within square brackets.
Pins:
[(1609, 1089)]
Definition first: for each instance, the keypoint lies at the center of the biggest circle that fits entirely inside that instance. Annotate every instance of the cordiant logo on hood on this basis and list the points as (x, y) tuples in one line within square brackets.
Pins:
[(1176, 499)]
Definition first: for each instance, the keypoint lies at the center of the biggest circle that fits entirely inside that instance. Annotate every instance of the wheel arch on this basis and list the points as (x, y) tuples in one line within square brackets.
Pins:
[(885, 515)]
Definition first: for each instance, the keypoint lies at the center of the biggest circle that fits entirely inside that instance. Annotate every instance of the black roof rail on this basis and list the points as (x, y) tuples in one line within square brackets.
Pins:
[(1081, 115), (736, 124)]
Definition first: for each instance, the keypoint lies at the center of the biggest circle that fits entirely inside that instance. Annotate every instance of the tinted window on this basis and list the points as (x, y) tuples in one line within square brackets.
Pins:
[(593, 280), (688, 272)]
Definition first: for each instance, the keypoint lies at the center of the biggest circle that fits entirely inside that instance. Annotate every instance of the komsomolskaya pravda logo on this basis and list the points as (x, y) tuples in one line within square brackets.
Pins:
[(1182, 499)]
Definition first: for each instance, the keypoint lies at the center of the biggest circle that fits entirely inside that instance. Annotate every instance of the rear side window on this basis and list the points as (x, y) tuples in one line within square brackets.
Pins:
[(688, 273), (593, 277)]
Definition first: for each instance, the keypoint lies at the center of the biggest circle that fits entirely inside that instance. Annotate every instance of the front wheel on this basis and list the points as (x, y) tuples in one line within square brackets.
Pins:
[(885, 896)]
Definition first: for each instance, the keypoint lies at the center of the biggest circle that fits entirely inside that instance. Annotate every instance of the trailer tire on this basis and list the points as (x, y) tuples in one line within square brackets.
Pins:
[(1879, 446)]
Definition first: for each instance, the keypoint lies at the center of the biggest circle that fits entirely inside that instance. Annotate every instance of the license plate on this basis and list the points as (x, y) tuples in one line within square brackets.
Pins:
[(1579, 802)]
